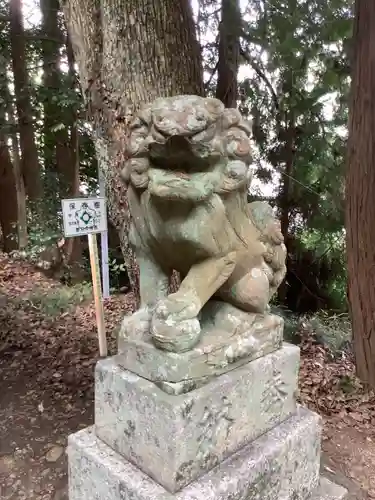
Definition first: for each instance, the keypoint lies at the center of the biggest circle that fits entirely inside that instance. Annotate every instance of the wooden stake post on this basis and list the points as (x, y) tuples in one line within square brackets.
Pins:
[(88, 216), (96, 285), (104, 243)]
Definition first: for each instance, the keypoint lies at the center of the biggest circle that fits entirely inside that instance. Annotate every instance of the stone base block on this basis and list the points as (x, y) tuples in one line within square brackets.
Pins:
[(281, 465), (229, 338), (327, 490), (176, 439)]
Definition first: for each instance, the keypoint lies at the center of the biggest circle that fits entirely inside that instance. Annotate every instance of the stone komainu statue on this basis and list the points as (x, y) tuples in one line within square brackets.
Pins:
[(188, 178)]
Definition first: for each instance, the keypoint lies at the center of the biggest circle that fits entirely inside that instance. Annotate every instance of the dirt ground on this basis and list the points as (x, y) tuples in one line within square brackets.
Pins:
[(46, 392)]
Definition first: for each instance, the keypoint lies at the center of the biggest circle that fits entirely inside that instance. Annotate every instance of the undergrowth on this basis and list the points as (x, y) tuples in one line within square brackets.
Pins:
[(331, 330), (59, 299)]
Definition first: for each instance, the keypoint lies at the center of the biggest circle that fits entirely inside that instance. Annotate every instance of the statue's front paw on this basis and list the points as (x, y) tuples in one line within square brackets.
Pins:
[(174, 325), (175, 337)]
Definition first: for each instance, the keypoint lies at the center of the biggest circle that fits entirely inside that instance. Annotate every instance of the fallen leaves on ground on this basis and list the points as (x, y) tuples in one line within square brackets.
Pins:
[(46, 388), (328, 385), (46, 380)]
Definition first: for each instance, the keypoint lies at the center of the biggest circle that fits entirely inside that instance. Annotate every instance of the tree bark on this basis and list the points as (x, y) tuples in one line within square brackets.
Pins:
[(229, 53), (57, 119), (285, 195), (73, 249), (360, 192), (129, 52), (72, 167), (30, 161), (61, 144), (8, 199), (18, 177), (8, 189)]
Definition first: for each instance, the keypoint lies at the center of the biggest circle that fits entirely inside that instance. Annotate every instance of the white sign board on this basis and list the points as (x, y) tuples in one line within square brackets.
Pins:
[(84, 216)]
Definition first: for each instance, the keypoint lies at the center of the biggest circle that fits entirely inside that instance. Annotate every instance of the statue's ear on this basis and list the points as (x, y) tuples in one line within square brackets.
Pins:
[(238, 146), (214, 106), (139, 130), (125, 172), (135, 171), (236, 176), (236, 140), (145, 115), (141, 119), (233, 118), (236, 135)]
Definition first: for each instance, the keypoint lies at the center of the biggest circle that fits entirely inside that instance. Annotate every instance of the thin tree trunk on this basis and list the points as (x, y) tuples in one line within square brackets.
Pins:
[(360, 192), (8, 190), (56, 119), (229, 53), (18, 178), (8, 199), (287, 135), (61, 149), (129, 52), (286, 184), (73, 248), (72, 169), (51, 44), (30, 162)]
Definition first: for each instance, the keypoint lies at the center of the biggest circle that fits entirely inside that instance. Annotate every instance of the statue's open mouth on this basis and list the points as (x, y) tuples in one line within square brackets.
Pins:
[(174, 152), (177, 143), (181, 151)]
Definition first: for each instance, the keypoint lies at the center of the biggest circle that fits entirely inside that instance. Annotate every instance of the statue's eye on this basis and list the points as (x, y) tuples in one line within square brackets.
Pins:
[(138, 123), (205, 136), (200, 117)]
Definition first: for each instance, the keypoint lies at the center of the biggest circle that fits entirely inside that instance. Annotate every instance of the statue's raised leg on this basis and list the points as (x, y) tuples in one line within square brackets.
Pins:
[(153, 286), (175, 325)]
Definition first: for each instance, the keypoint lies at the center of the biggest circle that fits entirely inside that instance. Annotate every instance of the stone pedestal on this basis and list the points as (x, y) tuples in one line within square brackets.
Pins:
[(234, 432)]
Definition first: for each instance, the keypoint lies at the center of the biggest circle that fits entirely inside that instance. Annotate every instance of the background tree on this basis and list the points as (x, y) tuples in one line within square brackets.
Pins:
[(360, 191), (8, 189), (297, 53), (29, 153), (128, 53), (228, 53), (12, 190)]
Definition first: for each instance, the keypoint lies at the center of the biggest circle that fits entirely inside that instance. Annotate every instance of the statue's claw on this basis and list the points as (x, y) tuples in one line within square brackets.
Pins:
[(136, 325)]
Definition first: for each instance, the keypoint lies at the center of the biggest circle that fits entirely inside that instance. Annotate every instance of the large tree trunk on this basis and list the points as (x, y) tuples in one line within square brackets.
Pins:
[(129, 52), (360, 191), (30, 162)]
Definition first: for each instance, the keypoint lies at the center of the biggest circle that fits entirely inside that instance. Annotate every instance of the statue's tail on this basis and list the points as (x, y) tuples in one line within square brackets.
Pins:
[(264, 219)]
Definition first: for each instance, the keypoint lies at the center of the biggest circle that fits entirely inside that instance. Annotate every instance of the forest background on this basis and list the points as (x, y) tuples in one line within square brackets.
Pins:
[(284, 64), (67, 96)]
